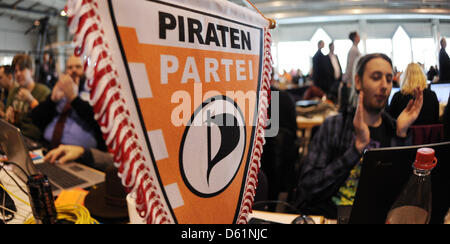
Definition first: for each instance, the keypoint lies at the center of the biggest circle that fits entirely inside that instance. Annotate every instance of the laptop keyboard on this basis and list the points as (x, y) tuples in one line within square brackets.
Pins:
[(59, 176)]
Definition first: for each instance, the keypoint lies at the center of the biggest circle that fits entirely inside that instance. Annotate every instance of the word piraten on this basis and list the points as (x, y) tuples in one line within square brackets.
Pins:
[(220, 35)]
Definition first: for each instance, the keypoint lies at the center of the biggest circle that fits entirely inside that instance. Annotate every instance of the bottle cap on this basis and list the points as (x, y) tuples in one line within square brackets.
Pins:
[(425, 159)]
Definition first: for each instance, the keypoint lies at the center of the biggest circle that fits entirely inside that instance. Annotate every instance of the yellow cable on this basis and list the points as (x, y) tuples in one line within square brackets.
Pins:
[(72, 212), (75, 213), (12, 194)]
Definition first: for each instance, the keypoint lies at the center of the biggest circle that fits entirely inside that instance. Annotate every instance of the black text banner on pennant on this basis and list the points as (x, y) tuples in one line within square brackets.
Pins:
[(180, 91)]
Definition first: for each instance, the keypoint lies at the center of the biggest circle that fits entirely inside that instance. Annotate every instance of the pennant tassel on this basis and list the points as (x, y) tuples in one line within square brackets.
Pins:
[(90, 44), (259, 141)]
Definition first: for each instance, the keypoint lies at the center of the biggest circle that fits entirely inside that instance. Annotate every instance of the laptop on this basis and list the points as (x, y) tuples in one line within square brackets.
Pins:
[(61, 177), (442, 92), (384, 173), (307, 103)]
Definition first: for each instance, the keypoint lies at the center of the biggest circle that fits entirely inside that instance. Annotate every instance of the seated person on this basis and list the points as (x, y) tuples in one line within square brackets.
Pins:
[(415, 78), (447, 121), (330, 171), (25, 97), (280, 152), (313, 93), (65, 117), (88, 156), (6, 85)]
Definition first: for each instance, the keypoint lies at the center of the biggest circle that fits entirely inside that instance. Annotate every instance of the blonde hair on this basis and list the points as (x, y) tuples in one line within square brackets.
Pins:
[(413, 78)]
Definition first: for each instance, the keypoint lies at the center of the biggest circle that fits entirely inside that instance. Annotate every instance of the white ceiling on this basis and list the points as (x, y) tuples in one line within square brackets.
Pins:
[(301, 11), (284, 11), (30, 10)]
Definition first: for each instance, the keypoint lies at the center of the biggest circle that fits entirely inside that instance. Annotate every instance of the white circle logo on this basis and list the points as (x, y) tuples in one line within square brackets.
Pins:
[(213, 147)]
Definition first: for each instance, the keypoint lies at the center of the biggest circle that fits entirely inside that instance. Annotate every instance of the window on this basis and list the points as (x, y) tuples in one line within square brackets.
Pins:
[(341, 49), (6, 60), (274, 52), (379, 46), (424, 51), (402, 55), (318, 36), (293, 56)]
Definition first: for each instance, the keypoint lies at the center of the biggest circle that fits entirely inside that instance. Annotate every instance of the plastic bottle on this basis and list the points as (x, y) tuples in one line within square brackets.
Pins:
[(413, 206), (447, 219)]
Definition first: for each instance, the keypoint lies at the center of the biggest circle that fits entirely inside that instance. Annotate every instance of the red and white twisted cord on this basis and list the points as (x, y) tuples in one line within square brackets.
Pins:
[(111, 110), (259, 141)]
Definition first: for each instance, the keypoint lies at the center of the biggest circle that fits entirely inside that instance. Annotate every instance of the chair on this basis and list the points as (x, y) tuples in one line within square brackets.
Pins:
[(297, 93), (278, 162), (427, 134), (262, 192)]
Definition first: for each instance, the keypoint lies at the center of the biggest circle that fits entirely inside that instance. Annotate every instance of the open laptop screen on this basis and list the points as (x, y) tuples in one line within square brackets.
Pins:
[(385, 171), (12, 143), (442, 91)]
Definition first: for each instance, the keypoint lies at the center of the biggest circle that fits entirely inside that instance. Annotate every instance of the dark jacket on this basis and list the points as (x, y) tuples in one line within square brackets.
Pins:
[(428, 115), (447, 121), (322, 71), (444, 66), (331, 157)]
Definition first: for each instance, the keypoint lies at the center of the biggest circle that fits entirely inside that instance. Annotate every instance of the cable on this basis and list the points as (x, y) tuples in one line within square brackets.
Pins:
[(4, 204), (75, 213), (14, 212), (17, 184), (4, 215), (12, 194), (18, 166), (273, 23)]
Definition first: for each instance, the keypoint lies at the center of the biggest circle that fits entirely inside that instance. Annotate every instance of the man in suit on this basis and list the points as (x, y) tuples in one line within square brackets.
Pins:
[(322, 75), (444, 63), (336, 71)]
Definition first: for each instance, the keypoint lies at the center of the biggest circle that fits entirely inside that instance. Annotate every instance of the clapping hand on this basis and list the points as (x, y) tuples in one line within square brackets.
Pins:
[(65, 87), (410, 114), (361, 128), (25, 95)]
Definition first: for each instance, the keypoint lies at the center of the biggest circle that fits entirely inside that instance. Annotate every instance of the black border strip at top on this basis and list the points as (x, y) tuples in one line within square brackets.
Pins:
[(203, 13), (141, 119)]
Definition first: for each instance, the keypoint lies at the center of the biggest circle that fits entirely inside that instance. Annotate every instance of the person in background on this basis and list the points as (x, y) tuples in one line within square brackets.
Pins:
[(322, 70), (336, 74), (6, 85), (397, 78), (91, 157), (48, 74), (331, 170), (347, 96), (285, 77), (444, 63), (415, 78), (297, 78), (66, 117), (432, 72), (447, 121), (27, 96)]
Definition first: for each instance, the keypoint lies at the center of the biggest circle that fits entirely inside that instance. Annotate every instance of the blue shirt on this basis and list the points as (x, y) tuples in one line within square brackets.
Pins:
[(76, 131)]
